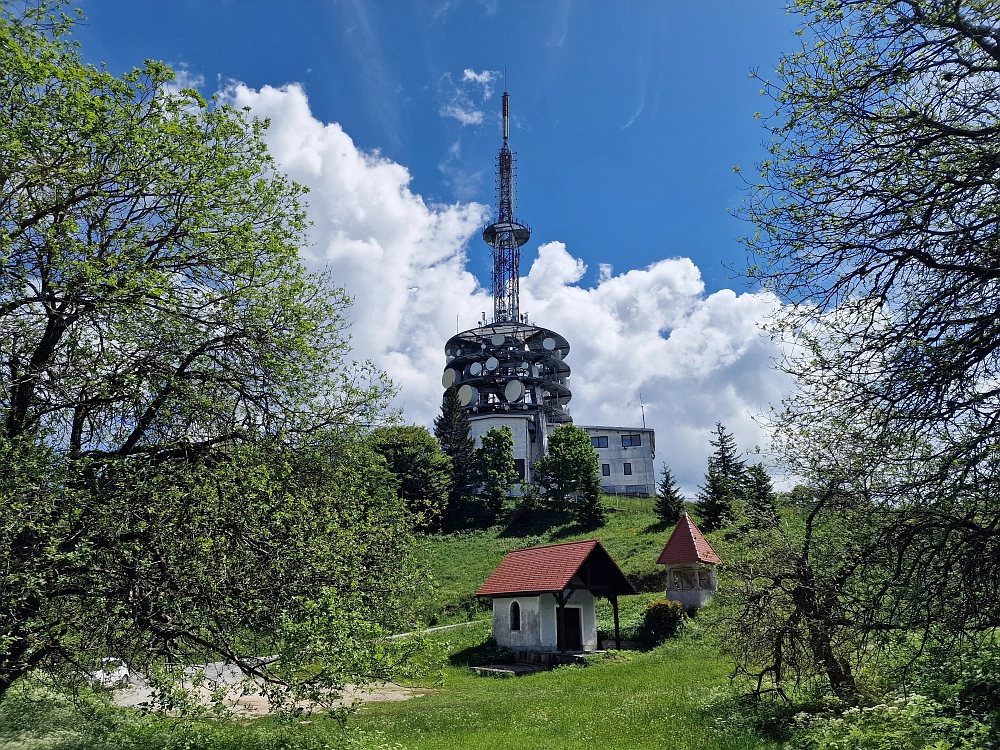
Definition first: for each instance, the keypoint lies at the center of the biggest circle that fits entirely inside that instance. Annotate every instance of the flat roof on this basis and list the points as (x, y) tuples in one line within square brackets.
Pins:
[(619, 429)]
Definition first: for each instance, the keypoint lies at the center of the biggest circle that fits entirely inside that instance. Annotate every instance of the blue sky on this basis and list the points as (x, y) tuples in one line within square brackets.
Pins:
[(627, 118)]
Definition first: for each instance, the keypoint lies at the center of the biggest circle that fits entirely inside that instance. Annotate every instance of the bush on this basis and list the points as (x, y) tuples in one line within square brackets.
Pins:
[(662, 620), (905, 722)]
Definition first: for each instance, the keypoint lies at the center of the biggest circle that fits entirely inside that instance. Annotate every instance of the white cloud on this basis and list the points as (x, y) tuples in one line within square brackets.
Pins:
[(463, 101), (695, 358)]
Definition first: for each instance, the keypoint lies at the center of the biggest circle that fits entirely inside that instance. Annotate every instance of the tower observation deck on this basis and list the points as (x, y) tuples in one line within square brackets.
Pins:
[(510, 371)]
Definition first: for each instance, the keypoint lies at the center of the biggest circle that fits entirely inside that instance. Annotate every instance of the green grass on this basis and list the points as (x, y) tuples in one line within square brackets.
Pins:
[(459, 563), (676, 696)]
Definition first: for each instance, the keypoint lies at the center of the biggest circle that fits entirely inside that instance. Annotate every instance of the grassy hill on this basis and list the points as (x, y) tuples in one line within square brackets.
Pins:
[(459, 563), (676, 696)]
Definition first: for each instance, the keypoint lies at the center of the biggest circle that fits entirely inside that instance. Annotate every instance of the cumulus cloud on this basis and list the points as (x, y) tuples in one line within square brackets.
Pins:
[(695, 358)]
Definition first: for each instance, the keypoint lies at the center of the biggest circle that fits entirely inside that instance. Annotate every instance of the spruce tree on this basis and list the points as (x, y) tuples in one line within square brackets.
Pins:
[(453, 432), (723, 491), (590, 511), (761, 508), (669, 503)]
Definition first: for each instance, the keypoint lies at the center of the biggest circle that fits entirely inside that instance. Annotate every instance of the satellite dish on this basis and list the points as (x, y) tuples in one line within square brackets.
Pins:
[(523, 366), (458, 353), (448, 379), (549, 343), (476, 368), (514, 391), (492, 363), (467, 394), (497, 339)]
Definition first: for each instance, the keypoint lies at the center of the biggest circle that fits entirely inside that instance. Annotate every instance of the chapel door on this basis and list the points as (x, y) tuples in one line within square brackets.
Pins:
[(574, 627)]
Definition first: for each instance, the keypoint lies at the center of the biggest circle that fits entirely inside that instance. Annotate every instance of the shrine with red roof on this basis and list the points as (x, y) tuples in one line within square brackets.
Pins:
[(543, 597), (690, 564)]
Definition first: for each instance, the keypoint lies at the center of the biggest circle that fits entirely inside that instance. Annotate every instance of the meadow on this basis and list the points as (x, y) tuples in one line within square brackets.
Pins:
[(674, 696)]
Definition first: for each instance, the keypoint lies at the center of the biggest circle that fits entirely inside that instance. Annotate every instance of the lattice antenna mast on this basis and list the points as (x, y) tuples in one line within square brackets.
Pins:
[(506, 235)]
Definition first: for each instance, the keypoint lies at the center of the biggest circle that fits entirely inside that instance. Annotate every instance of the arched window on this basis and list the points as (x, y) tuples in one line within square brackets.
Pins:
[(515, 616)]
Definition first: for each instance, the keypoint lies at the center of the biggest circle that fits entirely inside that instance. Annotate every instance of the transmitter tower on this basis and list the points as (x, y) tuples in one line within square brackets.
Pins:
[(507, 370)]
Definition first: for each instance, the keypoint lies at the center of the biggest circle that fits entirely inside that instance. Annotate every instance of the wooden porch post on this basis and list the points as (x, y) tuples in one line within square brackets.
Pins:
[(561, 623), (618, 635)]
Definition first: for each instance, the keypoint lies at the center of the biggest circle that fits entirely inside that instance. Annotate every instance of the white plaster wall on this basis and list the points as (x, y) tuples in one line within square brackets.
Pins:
[(641, 457), (693, 598), (528, 638), (479, 426)]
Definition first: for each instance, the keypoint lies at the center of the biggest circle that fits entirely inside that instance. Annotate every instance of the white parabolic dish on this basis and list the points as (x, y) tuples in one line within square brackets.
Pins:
[(466, 394), (448, 379), (514, 390), (549, 343), (492, 363)]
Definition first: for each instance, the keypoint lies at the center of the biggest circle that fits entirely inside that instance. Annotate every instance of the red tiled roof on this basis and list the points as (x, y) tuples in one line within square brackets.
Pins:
[(547, 569), (687, 545)]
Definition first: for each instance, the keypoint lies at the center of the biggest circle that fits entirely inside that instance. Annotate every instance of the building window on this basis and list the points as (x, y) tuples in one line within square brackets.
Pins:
[(515, 616), (599, 442), (631, 441), (519, 467), (605, 470), (628, 470)]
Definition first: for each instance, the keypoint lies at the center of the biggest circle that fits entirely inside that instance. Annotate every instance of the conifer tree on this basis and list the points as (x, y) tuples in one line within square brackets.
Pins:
[(761, 508), (723, 491), (453, 431), (590, 513), (669, 503)]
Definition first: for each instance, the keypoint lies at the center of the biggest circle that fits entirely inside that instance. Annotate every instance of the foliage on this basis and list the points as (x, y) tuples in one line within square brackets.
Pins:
[(669, 504), (663, 619), (496, 471), (877, 224), (761, 508), (569, 466), (179, 479), (590, 512), (791, 608), (423, 470), (721, 497), (904, 722), (454, 433)]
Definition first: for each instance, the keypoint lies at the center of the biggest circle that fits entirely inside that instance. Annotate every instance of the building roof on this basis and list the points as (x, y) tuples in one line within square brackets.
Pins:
[(541, 570), (687, 545), (614, 429)]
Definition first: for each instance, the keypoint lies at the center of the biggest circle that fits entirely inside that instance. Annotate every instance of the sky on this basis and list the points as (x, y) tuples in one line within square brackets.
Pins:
[(627, 121)]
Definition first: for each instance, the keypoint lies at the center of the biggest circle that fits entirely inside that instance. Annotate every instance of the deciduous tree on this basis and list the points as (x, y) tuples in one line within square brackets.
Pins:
[(496, 471), (422, 469), (176, 391)]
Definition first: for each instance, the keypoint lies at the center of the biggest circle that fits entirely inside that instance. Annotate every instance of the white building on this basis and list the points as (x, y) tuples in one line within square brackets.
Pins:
[(626, 459), (543, 597)]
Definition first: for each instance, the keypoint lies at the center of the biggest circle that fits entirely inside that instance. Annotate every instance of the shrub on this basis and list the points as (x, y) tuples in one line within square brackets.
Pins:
[(907, 721), (662, 620)]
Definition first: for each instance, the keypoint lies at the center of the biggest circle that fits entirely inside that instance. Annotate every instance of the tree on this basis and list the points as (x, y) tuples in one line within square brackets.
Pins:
[(590, 513), (877, 224), (453, 431), (761, 508), (669, 505), (722, 494), (422, 469), (568, 466), (174, 382), (496, 470)]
